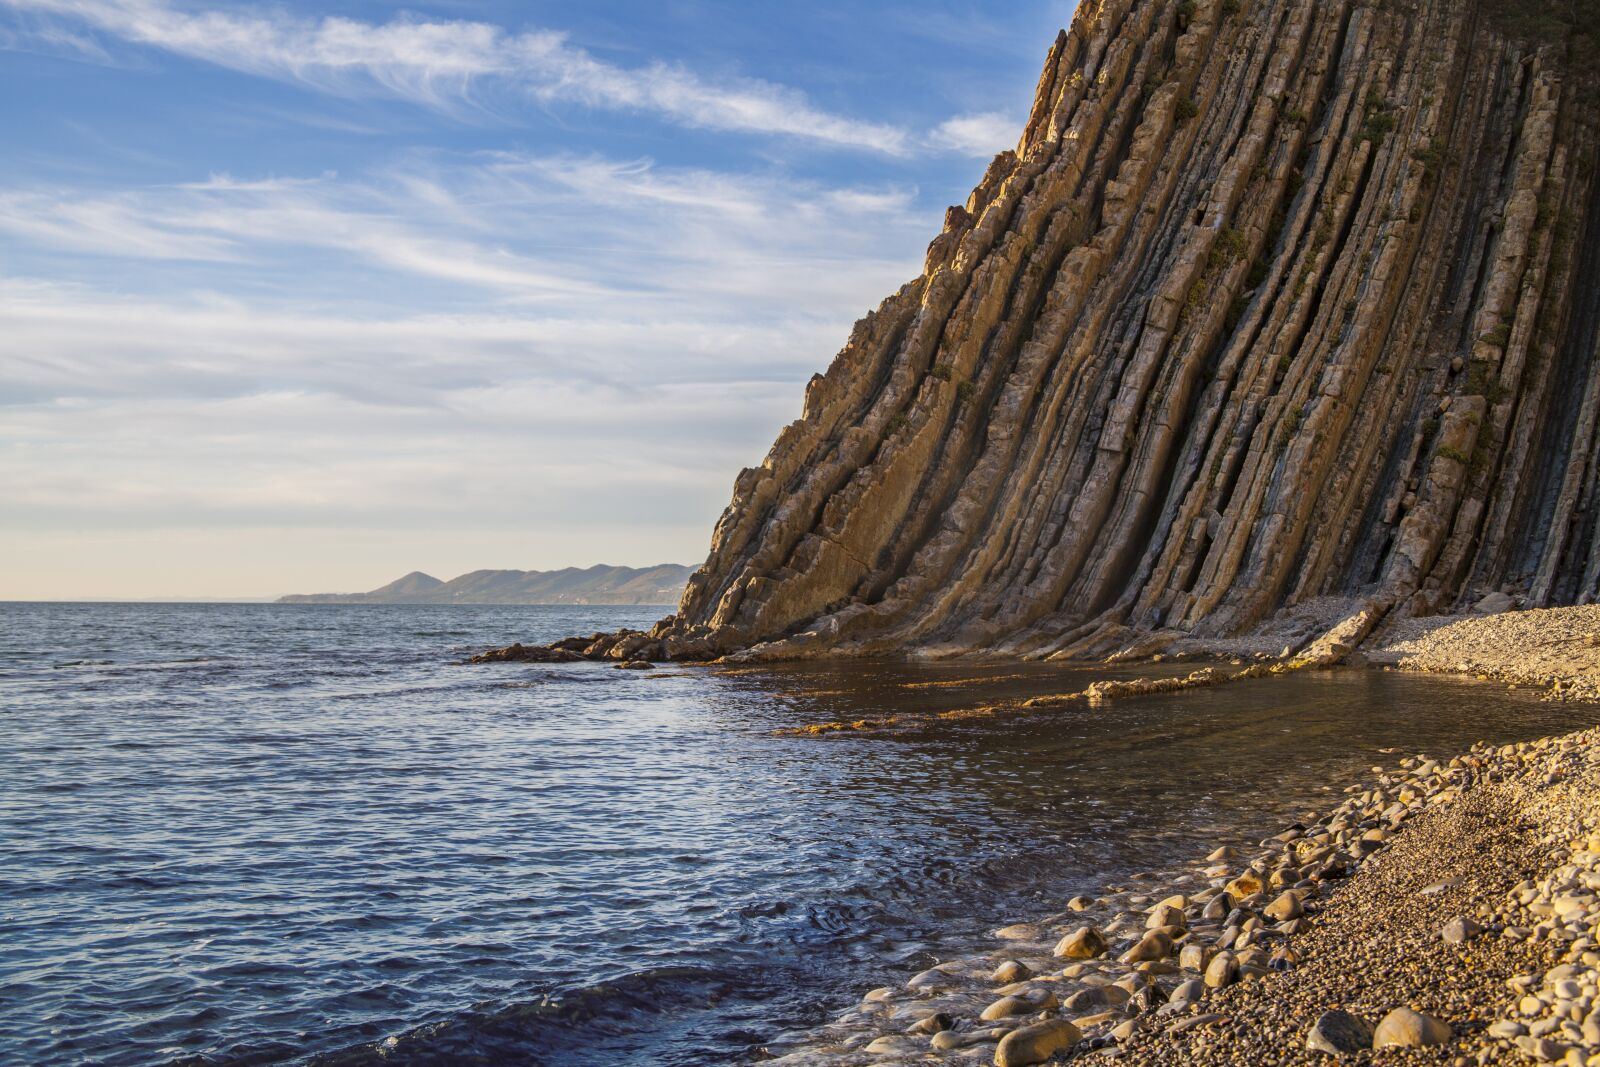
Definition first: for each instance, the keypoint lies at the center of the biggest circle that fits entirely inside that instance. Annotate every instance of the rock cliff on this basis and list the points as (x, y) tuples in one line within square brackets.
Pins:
[(1275, 301)]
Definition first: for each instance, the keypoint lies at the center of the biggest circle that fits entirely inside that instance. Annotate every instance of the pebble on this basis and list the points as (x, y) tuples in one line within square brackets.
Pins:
[(1189, 992), (1006, 1007), (1410, 1028), (1154, 945), (1461, 928), (1286, 906), (1010, 971), (1222, 971), (1035, 1044), (1084, 943), (1339, 1033), (1158, 954)]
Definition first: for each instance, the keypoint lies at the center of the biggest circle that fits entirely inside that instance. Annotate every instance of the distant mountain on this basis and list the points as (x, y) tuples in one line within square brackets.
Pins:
[(662, 584)]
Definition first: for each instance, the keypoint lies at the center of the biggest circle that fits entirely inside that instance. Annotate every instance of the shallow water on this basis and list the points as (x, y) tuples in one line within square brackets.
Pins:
[(264, 833)]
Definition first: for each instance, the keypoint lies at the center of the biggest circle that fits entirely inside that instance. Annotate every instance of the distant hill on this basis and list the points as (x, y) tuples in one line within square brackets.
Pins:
[(662, 584)]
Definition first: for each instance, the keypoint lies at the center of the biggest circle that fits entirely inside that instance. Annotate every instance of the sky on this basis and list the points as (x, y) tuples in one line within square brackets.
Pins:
[(299, 297)]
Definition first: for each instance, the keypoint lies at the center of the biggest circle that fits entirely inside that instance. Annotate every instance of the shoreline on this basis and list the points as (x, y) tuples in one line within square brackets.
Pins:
[(1451, 906), (1460, 895), (1448, 911)]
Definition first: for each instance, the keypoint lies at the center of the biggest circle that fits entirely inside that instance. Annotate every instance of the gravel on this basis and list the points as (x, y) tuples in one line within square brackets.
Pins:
[(1452, 906)]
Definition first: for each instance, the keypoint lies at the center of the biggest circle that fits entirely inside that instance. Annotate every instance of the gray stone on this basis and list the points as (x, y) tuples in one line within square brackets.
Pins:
[(1338, 1033), (1494, 603), (1189, 992), (1461, 928)]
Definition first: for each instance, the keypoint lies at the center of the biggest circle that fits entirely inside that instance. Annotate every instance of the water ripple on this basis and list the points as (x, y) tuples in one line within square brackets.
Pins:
[(261, 834)]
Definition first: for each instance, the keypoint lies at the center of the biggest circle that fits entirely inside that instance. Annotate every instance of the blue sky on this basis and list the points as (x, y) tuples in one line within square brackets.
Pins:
[(299, 297)]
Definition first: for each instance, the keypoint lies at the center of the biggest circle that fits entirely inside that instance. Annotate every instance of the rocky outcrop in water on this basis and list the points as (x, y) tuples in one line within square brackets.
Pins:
[(1274, 301)]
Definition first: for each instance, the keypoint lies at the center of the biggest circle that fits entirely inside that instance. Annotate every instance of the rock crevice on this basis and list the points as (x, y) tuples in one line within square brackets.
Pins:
[(1274, 301)]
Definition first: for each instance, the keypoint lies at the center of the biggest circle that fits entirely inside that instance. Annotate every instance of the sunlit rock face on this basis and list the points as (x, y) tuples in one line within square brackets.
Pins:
[(1275, 300)]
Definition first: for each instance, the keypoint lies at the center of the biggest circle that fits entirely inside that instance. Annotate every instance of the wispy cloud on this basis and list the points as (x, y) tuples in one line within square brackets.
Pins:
[(125, 415), (580, 231), (444, 64), (977, 135)]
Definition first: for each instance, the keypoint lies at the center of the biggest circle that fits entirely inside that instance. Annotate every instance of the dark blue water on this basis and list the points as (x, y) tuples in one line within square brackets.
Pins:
[(274, 834)]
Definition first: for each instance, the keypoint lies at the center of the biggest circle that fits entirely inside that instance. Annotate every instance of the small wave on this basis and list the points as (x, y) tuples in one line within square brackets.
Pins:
[(546, 1030)]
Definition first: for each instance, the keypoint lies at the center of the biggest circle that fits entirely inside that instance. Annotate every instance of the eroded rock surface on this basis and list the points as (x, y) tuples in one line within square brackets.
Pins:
[(1274, 301)]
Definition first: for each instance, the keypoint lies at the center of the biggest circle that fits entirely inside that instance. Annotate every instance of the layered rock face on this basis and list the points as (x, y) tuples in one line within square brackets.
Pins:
[(1275, 300)]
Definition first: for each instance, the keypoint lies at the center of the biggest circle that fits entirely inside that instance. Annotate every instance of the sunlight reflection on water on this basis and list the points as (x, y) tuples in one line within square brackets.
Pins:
[(262, 833)]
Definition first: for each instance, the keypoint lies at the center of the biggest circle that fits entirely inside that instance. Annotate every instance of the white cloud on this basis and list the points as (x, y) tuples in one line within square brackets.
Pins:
[(460, 438), (980, 135), (443, 65), (580, 232)]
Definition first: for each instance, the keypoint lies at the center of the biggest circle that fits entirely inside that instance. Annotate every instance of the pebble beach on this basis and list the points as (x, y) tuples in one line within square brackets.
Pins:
[(1446, 911)]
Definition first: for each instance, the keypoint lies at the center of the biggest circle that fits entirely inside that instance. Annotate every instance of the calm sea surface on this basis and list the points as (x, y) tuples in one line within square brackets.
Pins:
[(280, 834)]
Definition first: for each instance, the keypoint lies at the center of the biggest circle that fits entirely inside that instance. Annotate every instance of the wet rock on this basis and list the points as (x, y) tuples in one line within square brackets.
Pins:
[(950, 1039), (1010, 971), (1247, 884), (1084, 943), (1410, 1028), (1006, 1007), (1222, 971), (1190, 992), (520, 653), (1286, 906), (936, 1023), (1147, 999), (1035, 1044), (1164, 915), (1339, 1033), (1091, 999), (636, 665), (1154, 945), (893, 1043), (1021, 932)]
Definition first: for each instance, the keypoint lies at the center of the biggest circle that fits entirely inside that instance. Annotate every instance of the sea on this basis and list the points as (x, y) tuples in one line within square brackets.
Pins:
[(316, 834)]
